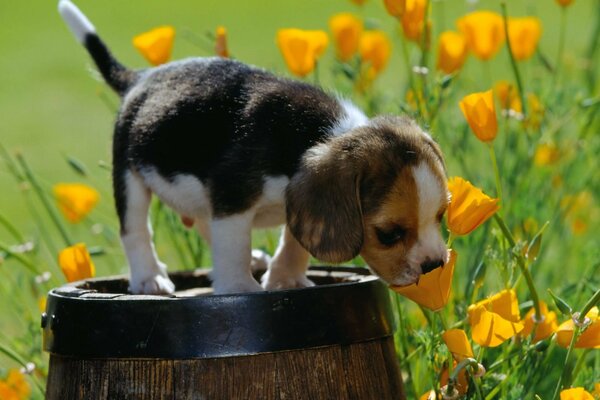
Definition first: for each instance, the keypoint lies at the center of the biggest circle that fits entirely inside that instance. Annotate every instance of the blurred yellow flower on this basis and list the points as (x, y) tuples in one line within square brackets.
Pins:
[(346, 30), (395, 7), (156, 45), (375, 49), (75, 200), (577, 210), (596, 392), (495, 319), (221, 48), (301, 48), (76, 263), (484, 31), (524, 35), (457, 342), (536, 111), (589, 339), (564, 3), (14, 387), (577, 393), (507, 95), (546, 154), (433, 289), (469, 206), (480, 112), (42, 304), (452, 51), (545, 328), (413, 19)]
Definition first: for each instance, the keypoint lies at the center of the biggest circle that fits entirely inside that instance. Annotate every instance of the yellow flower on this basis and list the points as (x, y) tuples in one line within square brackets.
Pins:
[(462, 384), (578, 393), (156, 45), (76, 263), (14, 387), (596, 392), (433, 289), (346, 29), (589, 339), (469, 206), (524, 35), (412, 19), (495, 319), (546, 154), (508, 96), (480, 112), (395, 7), (457, 342), (452, 51), (301, 49), (545, 328), (484, 31), (564, 3), (536, 111), (42, 304), (75, 200), (375, 49), (221, 42)]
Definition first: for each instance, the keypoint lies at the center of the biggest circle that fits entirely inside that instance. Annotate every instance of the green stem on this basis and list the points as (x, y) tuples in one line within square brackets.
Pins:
[(563, 376), (40, 193), (588, 306), (496, 172), (19, 257), (11, 229), (521, 263), (513, 61), (561, 44)]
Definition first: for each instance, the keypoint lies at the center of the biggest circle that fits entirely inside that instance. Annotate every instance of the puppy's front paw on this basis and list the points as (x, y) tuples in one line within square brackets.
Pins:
[(155, 284), (280, 281), (237, 286)]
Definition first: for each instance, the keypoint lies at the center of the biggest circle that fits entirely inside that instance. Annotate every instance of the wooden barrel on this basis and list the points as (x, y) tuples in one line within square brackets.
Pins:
[(331, 341)]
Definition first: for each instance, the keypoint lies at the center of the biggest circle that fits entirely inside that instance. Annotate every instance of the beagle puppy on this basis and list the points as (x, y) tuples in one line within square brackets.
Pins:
[(232, 147)]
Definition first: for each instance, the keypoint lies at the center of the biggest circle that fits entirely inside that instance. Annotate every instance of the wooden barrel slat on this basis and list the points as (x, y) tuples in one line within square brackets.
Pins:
[(353, 368)]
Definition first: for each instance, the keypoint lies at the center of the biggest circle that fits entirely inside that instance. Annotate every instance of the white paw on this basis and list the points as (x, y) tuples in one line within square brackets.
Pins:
[(157, 283), (260, 260), (237, 286), (280, 281)]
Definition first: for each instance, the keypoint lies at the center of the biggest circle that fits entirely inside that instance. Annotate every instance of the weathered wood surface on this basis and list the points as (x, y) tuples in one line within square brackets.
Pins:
[(367, 370)]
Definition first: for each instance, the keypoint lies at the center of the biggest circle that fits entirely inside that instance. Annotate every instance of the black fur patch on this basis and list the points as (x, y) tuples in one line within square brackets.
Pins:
[(226, 123)]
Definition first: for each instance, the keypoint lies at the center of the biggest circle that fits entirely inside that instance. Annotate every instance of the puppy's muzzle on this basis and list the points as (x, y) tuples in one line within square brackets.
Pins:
[(429, 265)]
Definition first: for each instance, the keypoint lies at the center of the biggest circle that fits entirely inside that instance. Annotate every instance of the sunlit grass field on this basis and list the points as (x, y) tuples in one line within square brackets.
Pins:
[(56, 119)]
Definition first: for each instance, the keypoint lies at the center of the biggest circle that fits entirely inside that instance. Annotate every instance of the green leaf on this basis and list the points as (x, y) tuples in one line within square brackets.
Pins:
[(562, 305)]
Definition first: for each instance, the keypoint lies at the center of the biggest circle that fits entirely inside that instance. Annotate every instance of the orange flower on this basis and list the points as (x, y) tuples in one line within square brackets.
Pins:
[(221, 42), (433, 289), (484, 31), (480, 112), (524, 35), (452, 51), (545, 328), (75, 200), (395, 7), (495, 319), (588, 339), (15, 387), (457, 342), (76, 263), (156, 45), (564, 3), (301, 49), (469, 206), (346, 29), (508, 96), (412, 19), (577, 393), (375, 49), (546, 154)]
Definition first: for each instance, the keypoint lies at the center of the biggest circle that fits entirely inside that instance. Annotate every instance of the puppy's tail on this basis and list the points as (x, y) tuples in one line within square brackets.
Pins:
[(115, 74)]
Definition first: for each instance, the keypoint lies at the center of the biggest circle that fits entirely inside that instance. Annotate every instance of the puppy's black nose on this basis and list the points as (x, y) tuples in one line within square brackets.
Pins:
[(430, 265)]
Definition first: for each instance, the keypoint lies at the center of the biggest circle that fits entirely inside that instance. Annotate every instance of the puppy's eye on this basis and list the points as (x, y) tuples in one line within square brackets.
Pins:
[(389, 237)]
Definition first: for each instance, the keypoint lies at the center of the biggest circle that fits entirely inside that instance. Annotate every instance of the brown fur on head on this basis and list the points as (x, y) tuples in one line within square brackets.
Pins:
[(378, 191)]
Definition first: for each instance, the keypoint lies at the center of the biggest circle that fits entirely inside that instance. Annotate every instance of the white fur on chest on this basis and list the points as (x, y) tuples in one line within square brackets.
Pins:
[(189, 197)]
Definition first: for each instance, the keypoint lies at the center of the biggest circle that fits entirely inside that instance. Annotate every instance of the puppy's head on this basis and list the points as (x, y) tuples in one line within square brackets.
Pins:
[(378, 191)]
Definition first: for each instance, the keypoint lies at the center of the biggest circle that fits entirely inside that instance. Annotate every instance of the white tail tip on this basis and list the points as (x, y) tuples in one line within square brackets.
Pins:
[(77, 22)]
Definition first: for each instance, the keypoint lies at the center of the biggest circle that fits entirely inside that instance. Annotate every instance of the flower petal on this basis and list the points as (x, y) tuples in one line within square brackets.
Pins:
[(76, 263), (457, 342)]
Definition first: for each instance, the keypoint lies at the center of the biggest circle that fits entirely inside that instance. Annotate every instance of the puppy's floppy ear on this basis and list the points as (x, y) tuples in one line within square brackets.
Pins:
[(323, 204)]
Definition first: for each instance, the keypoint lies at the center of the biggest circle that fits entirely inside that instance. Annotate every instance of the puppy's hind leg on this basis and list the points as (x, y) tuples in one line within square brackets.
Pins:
[(148, 274), (288, 267)]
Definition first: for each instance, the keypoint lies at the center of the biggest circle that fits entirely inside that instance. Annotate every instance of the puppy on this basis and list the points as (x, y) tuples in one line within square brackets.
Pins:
[(233, 147)]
